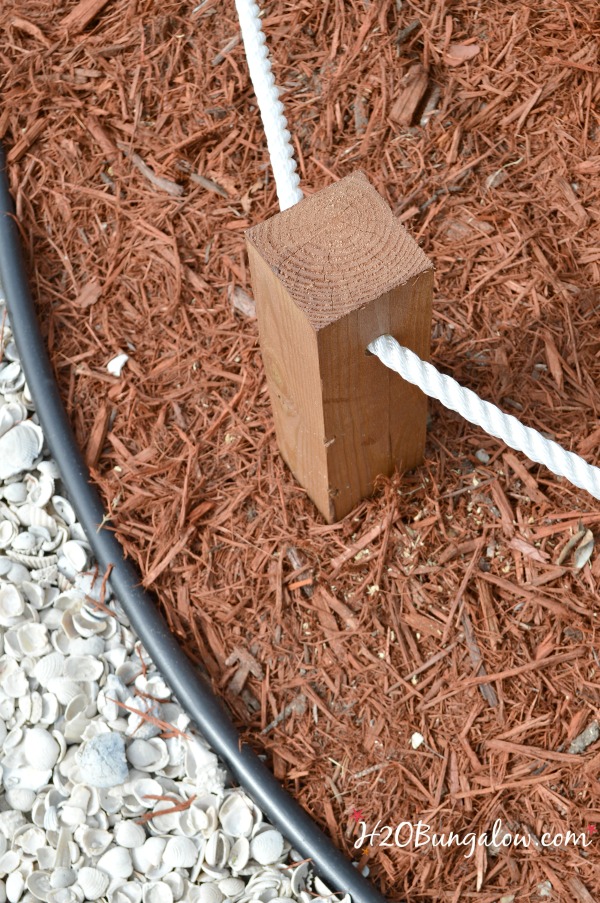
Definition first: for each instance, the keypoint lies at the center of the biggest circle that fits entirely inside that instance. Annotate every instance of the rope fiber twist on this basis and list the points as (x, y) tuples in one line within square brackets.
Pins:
[(486, 415), (279, 143)]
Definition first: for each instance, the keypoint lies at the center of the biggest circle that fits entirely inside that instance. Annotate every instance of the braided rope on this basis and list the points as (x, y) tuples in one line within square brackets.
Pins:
[(271, 108), (490, 418)]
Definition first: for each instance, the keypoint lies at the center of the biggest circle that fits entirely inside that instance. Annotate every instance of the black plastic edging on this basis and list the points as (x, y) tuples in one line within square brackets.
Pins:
[(191, 690)]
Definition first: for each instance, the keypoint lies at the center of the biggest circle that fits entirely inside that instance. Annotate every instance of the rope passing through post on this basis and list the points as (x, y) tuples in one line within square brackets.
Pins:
[(271, 108), (490, 418)]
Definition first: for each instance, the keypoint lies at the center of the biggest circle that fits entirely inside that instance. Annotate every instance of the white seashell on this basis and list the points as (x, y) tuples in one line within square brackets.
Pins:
[(19, 448), (103, 761), (143, 789), (9, 862), (37, 597), (33, 639), (299, 880), (267, 847), (231, 887), (40, 491), (29, 839), (20, 800), (177, 883), (64, 509), (64, 689), (180, 852), (38, 884), (116, 862), (8, 532), (32, 516), (12, 604), (13, 680), (128, 834), (129, 892), (49, 708), (45, 576), (148, 755), (217, 850), (149, 855), (209, 893), (40, 748), (49, 667), (10, 414), (76, 555), (93, 841), (93, 882), (236, 816), (83, 667), (63, 877), (15, 885), (239, 855), (157, 892), (51, 821), (116, 364)]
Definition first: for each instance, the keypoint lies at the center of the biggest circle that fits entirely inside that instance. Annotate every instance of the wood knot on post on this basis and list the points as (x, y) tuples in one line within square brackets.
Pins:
[(330, 275)]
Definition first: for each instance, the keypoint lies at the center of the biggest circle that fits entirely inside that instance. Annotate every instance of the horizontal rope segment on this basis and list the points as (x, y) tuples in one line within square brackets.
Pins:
[(490, 418), (271, 109)]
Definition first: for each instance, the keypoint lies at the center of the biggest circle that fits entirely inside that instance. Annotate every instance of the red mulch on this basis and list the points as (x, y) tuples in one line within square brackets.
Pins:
[(137, 159)]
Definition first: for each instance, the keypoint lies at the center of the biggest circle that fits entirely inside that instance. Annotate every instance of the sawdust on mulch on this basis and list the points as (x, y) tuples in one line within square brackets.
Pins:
[(441, 606)]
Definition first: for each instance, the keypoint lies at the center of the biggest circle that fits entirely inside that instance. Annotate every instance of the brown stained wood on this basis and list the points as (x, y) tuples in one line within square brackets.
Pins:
[(330, 275)]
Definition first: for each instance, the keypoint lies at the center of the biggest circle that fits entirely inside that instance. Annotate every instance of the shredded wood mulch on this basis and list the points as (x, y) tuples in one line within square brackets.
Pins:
[(461, 602)]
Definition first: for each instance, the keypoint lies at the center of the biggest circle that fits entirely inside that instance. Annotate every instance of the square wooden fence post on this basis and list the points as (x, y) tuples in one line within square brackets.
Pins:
[(329, 275)]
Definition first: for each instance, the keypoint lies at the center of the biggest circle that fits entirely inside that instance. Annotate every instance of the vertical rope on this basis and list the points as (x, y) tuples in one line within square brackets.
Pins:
[(279, 143)]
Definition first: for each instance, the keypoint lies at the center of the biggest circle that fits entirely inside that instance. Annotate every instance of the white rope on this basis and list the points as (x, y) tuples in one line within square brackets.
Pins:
[(271, 108), (486, 415)]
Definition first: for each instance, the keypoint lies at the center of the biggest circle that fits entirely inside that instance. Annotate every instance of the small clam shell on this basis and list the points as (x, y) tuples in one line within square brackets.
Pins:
[(300, 878), (128, 892), (236, 816), (267, 847), (64, 509), (32, 516), (38, 884), (49, 667), (209, 893), (232, 887), (19, 448), (40, 748), (128, 834), (40, 491), (180, 852), (103, 761), (93, 841), (15, 885), (76, 555), (8, 533), (83, 667), (149, 855), (116, 861), (239, 855), (217, 850), (33, 639), (157, 892), (63, 877), (148, 755), (12, 604), (64, 689), (20, 800), (93, 882)]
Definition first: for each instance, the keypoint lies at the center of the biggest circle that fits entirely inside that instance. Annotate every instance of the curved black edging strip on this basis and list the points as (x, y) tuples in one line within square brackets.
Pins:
[(191, 690)]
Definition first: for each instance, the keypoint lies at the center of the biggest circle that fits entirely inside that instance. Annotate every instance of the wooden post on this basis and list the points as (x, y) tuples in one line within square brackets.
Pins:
[(330, 275)]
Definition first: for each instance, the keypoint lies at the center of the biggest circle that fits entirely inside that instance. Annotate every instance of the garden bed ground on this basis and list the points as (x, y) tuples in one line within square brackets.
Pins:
[(137, 160)]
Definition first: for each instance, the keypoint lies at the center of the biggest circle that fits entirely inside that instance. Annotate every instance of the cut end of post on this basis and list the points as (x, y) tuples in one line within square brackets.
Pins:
[(330, 275), (338, 249)]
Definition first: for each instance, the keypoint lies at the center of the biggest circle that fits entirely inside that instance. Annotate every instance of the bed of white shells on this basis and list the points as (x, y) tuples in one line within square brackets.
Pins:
[(95, 804)]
